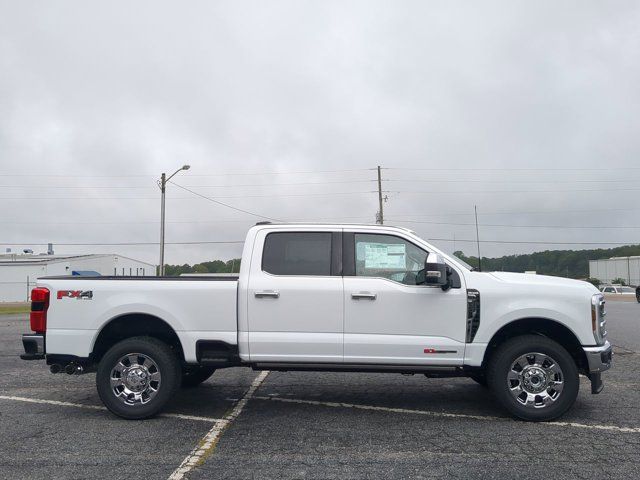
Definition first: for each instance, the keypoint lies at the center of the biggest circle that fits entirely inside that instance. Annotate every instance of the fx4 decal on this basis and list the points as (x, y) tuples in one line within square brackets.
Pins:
[(77, 294)]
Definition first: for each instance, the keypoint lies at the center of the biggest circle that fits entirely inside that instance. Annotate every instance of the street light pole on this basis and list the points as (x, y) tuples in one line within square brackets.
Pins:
[(163, 188)]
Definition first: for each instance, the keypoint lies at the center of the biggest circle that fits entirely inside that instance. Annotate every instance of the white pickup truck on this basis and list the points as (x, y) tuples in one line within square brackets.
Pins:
[(351, 298)]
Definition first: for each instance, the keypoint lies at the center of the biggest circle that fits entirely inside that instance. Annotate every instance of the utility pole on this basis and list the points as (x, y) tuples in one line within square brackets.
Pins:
[(475, 208), (163, 187), (162, 183), (380, 215)]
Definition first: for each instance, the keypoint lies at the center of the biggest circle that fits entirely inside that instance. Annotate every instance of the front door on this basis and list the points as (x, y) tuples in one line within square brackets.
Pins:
[(388, 318), (295, 295)]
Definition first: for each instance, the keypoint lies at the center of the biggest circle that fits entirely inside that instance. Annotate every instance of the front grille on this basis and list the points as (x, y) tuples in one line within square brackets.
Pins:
[(473, 314)]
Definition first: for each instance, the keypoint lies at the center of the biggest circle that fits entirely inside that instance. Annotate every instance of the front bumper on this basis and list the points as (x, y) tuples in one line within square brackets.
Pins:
[(34, 347), (598, 360)]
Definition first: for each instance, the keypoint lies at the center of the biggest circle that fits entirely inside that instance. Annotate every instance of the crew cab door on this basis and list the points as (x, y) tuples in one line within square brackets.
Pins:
[(388, 318), (295, 297)]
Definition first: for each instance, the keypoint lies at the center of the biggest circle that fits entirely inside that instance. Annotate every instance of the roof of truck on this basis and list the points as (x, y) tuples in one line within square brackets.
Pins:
[(323, 224)]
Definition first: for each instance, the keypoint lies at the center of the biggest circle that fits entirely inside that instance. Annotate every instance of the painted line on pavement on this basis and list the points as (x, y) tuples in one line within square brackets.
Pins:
[(208, 443), (381, 409), (98, 407), (611, 428)]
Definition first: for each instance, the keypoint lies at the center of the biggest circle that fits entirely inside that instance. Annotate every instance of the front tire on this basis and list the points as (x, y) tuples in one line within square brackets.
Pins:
[(137, 377), (534, 378)]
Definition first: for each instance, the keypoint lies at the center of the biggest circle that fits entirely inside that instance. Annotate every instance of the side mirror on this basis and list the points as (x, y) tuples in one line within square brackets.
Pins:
[(435, 273)]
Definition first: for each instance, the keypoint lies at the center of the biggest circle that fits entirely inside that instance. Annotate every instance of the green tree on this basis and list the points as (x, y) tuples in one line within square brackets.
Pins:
[(594, 281)]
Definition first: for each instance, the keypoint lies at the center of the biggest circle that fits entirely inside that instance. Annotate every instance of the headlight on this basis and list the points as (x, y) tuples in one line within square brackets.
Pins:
[(598, 323)]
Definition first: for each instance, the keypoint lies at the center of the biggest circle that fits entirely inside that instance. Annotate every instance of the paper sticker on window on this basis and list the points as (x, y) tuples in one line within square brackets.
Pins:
[(384, 255)]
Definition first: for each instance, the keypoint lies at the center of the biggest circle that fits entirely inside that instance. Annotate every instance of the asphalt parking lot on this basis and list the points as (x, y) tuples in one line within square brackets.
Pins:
[(244, 424)]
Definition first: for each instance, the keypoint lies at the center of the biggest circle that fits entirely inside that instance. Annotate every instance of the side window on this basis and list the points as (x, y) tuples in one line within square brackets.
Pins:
[(388, 257), (297, 253), (609, 290)]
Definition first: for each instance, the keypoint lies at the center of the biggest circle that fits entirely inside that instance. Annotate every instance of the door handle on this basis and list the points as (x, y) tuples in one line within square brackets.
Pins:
[(267, 293), (363, 296)]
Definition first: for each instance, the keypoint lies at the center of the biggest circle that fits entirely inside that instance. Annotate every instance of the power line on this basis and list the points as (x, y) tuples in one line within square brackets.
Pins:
[(221, 174), (273, 195), (530, 242), (124, 243), (174, 221), (223, 204), (543, 212), (516, 226), (206, 242), (510, 169), (341, 182), (506, 181), (458, 192)]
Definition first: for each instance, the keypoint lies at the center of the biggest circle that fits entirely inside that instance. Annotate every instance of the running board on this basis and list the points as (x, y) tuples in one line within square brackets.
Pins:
[(428, 370)]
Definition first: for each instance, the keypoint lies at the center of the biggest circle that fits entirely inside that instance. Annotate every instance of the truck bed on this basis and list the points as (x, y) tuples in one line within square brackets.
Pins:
[(197, 308)]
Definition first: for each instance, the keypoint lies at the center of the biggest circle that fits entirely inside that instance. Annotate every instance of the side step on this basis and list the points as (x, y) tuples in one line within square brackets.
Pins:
[(214, 353), (428, 370)]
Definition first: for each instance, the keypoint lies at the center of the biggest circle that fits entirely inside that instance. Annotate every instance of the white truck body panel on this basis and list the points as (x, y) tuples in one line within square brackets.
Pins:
[(303, 324), (196, 309)]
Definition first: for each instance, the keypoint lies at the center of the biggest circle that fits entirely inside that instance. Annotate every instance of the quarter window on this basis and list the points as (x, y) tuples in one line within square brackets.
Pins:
[(388, 257), (297, 253)]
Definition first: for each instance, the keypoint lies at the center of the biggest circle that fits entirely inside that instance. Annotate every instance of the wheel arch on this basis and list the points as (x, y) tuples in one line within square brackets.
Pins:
[(130, 325), (545, 327)]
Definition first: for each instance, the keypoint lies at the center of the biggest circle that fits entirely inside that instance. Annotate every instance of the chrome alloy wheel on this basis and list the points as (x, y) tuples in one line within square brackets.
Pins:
[(135, 379), (535, 380)]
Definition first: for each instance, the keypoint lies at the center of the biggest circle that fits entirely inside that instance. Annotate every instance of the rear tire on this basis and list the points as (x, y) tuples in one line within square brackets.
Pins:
[(137, 377), (533, 377), (194, 376)]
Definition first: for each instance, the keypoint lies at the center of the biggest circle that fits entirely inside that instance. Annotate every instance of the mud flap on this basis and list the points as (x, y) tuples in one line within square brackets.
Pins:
[(596, 382)]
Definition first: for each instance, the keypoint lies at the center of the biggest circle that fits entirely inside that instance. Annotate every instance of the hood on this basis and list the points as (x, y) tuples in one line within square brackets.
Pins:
[(534, 279)]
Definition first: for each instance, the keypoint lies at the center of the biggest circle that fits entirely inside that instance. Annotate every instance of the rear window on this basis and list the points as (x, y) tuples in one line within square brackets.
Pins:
[(297, 253)]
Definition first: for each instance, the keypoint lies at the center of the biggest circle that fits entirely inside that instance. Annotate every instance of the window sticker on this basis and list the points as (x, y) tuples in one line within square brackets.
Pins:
[(384, 255)]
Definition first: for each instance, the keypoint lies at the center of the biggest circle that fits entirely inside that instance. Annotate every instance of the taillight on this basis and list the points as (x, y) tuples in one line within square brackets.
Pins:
[(39, 306)]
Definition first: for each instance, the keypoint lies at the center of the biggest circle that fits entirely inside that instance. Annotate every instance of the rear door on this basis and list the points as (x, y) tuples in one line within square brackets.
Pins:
[(295, 297), (388, 318)]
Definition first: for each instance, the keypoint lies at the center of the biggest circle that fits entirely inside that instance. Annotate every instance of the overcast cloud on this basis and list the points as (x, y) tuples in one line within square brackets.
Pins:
[(101, 97)]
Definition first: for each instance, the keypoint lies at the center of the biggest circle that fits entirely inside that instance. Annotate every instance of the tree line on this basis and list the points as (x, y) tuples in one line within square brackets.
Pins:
[(214, 266), (561, 263)]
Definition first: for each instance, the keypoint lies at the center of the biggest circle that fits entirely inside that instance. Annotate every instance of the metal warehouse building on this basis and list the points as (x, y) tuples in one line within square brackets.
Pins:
[(18, 273), (606, 270)]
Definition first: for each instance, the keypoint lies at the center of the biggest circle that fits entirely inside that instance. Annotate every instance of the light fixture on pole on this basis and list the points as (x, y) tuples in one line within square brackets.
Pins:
[(162, 183)]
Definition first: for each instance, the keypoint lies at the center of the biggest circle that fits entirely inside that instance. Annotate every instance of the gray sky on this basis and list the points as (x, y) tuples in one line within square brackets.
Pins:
[(101, 97)]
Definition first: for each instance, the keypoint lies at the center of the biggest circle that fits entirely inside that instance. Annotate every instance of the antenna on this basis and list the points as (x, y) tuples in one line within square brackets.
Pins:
[(475, 209), (380, 215)]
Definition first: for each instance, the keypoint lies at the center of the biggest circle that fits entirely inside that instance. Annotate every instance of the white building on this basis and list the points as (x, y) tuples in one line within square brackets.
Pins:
[(606, 270), (18, 273)]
